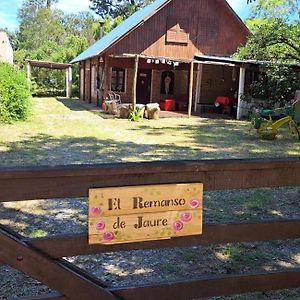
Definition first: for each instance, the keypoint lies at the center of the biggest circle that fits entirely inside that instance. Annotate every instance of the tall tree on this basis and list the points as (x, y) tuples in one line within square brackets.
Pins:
[(50, 2), (121, 8), (276, 37), (117, 8), (276, 31), (46, 33)]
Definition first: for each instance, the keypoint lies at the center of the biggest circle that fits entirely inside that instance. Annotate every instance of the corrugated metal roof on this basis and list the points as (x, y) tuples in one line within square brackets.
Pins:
[(101, 45), (226, 59)]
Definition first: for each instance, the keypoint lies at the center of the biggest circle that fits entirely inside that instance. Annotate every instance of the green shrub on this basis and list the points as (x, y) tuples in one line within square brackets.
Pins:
[(136, 115), (14, 94), (277, 85)]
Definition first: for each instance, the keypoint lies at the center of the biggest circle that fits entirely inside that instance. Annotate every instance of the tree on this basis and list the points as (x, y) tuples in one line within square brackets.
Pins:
[(277, 85), (14, 94), (273, 41), (276, 34), (276, 31), (117, 8), (46, 33), (50, 2)]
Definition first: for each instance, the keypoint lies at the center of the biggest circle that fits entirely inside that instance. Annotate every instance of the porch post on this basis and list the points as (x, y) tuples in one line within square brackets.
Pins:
[(28, 71), (241, 92), (70, 82), (136, 66), (191, 89), (67, 83), (198, 86), (105, 76)]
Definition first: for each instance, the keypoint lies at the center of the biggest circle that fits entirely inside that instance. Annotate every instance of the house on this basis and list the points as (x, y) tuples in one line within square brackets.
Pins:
[(151, 56), (6, 50)]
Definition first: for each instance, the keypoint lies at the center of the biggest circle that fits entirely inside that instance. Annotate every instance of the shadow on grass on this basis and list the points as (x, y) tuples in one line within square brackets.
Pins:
[(46, 150), (203, 141), (70, 104), (39, 218)]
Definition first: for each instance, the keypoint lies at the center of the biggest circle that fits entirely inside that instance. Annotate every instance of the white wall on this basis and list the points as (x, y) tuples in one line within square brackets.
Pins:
[(6, 50)]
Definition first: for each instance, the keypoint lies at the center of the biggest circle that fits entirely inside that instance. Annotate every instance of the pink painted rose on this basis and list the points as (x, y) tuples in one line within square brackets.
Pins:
[(100, 225), (177, 225), (186, 217), (108, 236), (96, 210), (194, 203)]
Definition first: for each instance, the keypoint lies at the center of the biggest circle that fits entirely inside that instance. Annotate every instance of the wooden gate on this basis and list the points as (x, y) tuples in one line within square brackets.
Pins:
[(42, 258)]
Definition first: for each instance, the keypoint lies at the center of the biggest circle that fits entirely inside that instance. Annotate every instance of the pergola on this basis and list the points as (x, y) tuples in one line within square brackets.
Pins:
[(52, 66)]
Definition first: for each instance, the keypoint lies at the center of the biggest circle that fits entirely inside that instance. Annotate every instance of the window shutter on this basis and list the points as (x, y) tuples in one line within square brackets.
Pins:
[(177, 31)]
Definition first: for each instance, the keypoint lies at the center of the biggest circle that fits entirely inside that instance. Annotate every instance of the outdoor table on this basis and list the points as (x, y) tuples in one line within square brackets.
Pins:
[(226, 102)]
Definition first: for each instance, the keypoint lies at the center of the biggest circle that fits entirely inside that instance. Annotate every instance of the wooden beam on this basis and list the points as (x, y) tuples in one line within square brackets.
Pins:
[(48, 64), (97, 83), (84, 89), (191, 89), (105, 76), (67, 83), (241, 92), (28, 71), (210, 286), (90, 81), (58, 276), (198, 85), (77, 244), (51, 296), (70, 81), (136, 68), (75, 181)]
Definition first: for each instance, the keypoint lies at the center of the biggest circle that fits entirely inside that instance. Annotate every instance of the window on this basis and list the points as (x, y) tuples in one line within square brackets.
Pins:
[(118, 80), (177, 31)]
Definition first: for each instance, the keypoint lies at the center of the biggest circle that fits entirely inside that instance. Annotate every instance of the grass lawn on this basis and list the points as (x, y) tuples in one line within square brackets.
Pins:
[(63, 132)]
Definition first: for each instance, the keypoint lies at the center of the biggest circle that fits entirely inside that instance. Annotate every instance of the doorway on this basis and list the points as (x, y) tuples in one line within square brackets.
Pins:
[(143, 86)]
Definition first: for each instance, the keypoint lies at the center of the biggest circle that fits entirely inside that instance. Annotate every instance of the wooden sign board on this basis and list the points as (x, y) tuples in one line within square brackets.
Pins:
[(141, 213)]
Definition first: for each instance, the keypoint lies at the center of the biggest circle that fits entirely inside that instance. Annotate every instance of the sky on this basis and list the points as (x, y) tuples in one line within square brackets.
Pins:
[(9, 8)]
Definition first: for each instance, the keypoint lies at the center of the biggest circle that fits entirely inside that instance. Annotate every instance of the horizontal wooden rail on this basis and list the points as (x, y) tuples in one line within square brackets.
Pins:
[(41, 258), (73, 245), (74, 181), (56, 274), (212, 286), (52, 296)]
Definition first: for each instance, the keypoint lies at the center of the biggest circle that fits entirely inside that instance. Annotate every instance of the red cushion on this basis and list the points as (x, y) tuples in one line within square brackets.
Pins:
[(168, 105)]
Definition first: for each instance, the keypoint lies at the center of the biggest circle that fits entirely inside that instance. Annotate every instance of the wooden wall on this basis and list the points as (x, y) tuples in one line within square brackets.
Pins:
[(82, 81), (213, 29), (181, 77), (87, 81), (218, 81)]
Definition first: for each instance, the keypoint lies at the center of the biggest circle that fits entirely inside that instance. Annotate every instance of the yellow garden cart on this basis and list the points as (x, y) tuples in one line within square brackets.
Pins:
[(268, 128)]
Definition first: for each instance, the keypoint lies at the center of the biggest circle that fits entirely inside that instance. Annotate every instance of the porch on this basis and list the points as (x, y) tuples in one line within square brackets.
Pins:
[(185, 86), (141, 80)]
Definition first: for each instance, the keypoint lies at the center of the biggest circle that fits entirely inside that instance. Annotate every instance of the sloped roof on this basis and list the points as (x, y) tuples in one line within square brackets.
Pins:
[(127, 25), (229, 60)]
